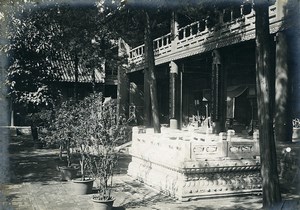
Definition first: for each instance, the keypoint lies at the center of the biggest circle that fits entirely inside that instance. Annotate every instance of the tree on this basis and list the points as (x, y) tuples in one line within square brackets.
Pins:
[(150, 67), (30, 71), (46, 39), (54, 35), (4, 135), (147, 19), (83, 39), (265, 95)]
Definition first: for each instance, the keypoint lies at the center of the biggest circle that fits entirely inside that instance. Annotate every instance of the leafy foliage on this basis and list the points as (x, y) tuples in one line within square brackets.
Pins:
[(61, 130), (48, 39), (30, 68), (107, 131), (90, 128)]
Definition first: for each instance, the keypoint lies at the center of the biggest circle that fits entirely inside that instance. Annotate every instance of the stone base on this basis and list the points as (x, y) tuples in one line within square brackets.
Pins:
[(190, 165), (193, 183)]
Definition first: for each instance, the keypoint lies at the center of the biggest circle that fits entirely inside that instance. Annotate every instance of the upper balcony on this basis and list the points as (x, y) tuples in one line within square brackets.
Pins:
[(198, 38)]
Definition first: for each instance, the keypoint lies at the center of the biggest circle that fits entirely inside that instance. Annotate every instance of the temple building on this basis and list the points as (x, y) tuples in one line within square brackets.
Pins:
[(103, 79), (210, 71), (206, 82)]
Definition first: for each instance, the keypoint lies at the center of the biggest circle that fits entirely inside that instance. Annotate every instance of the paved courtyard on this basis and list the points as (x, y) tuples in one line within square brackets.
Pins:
[(35, 185)]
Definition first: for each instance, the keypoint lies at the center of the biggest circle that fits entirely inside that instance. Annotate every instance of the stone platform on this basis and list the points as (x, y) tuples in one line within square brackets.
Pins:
[(190, 165)]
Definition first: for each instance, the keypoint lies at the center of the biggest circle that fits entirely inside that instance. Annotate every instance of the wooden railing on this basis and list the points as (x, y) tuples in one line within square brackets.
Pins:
[(197, 38)]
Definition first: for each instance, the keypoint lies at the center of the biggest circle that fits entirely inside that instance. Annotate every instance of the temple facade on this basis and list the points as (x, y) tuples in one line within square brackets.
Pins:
[(206, 82), (206, 71)]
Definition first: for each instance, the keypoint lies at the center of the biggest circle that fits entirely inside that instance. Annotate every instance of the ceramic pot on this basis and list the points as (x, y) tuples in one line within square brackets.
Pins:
[(103, 204), (82, 187), (67, 173)]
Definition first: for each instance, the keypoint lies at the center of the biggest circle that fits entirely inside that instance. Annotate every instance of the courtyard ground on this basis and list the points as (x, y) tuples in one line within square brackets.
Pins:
[(35, 185)]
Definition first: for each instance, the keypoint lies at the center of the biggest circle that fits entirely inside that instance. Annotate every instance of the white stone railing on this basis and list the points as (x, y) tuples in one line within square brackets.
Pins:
[(197, 38), (179, 149)]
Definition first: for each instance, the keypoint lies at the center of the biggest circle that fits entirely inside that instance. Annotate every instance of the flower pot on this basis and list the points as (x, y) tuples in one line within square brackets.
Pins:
[(82, 187), (67, 173), (103, 204)]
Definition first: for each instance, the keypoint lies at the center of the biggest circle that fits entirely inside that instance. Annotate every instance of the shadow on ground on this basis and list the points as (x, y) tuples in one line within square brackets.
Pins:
[(40, 166), (34, 166), (28, 164)]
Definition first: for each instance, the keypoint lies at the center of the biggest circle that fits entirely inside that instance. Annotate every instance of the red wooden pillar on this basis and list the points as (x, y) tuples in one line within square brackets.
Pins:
[(174, 99), (218, 93)]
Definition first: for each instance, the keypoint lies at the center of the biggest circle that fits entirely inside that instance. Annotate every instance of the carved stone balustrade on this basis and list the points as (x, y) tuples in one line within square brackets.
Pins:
[(191, 165)]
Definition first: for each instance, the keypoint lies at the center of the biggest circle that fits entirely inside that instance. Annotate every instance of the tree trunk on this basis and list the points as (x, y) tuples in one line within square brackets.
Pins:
[(283, 118), (4, 120), (270, 185), (147, 101), (123, 87), (150, 67)]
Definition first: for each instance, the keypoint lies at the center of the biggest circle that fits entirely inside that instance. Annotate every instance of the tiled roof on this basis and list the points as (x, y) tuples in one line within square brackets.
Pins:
[(66, 67)]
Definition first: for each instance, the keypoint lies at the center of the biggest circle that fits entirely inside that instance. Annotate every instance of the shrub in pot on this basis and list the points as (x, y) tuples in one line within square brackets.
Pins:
[(82, 143), (107, 132), (61, 132), (69, 131)]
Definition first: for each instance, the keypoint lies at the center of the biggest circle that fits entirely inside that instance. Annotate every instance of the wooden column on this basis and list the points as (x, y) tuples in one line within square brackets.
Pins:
[(283, 118), (180, 96), (174, 26), (174, 90), (218, 94)]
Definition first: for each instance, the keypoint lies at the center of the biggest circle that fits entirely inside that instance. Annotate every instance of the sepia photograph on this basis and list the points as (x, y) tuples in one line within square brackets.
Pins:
[(149, 104)]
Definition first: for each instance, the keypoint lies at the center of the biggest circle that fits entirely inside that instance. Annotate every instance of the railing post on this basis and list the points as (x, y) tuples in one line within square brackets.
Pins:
[(242, 10)]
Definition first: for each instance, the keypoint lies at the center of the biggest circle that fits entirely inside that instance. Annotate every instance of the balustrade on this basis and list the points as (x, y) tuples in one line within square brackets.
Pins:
[(189, 164), (185, 146), (233, 22)]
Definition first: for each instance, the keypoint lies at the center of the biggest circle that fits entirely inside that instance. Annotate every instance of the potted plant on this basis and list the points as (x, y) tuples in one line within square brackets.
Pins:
[(82, 141), (107, 132), (70, 130), (60, 132)]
